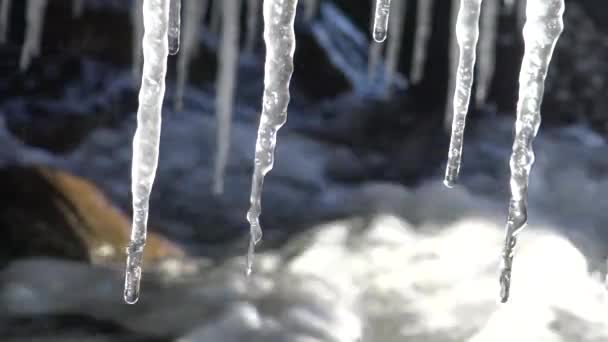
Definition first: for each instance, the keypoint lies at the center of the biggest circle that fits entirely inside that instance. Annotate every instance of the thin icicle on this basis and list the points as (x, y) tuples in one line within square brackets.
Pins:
[(77, 8), (542, 29), (487, 49), (137, 24), (280, 42), (424, 22), (253, 15), (147, 136), (175, 18), (393, 50), (381, 15), (194, 13), (311, 9), (467, 32), (5, 18), (375, 50), (228, 66), (453, 66), (34, 22)]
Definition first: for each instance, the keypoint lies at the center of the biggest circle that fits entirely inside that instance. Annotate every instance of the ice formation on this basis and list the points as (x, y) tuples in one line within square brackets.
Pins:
[(487, 41), (253, 9), (381, 14), (228, 64), (393, 50), (174, 26), (375, 51), (543, 26), (424, 22), (280, 41), (34, 19), (147, 136), (5, 10), (453, 64), (467, 32)]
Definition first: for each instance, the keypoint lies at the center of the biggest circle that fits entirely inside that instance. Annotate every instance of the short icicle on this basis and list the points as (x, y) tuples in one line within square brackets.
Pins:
[(175, 18), (393, 50), (467, 32), (5, 11), (424, 22), (544, 25), (228, 65), (147, 135), (280, 41), (34, 19), (381, 15), (487, 49)]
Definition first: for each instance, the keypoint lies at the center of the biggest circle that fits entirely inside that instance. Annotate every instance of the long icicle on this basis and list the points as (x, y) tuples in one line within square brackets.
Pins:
[(381, 15), (5, 17), (393, 50), (544, 25), (253, 9), (194, 11), (375, 50), (453, 65), (424, 22), (467, 32), (34, 19), (137, 24), (147, 135), (280, 41), (487, 49), (228, 66), (175, 18)]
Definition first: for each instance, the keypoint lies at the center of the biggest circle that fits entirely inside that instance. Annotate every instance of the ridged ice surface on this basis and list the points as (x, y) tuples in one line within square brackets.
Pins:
[(487, 49), (34, 22), (279, 37), (381, 15), (147, 135), (175, 18), (467, 33), (5, 10), (424, 23), (544, 24)]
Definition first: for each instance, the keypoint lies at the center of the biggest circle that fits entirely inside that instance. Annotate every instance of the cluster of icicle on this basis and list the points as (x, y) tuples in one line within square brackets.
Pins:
[(157, 26)]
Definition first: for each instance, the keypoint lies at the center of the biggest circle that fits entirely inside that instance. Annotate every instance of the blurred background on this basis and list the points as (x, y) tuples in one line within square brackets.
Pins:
[(362, 242)]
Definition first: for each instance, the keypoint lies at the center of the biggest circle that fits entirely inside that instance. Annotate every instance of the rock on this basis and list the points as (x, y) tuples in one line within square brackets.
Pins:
[(48, 212)]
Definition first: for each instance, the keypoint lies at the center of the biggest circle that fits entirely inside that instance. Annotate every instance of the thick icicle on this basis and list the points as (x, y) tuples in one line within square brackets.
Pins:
[(487, 45), (542, 29), (398, 9), (194, 11), (467, 32), (280, 41), (34, 21), (253, 9), (311, 9), (5, 10), (228, 65), (147, 136), (424, 22), (77, 8), (381, 14), (453, 65), (175, 18), (137, 23)]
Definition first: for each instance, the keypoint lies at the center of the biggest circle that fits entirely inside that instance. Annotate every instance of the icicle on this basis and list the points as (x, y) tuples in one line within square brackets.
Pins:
[(137, 23), (77, 8), (280, 42), (467, 32), (424, 22), (375, 51), (487, 44), (5, 11), (146, 139), (228, 65), (311, 9), (398, 9), (381, 15), (253, 9), (175, 15), (542, 29), (194, 12), (453, 65), (34, 19)]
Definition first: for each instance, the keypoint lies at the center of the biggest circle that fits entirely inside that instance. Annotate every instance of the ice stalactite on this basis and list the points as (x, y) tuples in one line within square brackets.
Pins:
[(453, 65), (542, 29), (253, 15), (34, 21), (5, 10), (381, 15), (175, 18), (467, 33), (311, 9), (280, 41), (147, 135), (487, 49), (375, 50), (77, 8), (194, 11), (424, 22), (137, 24), (228, 65), (393, 50)]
